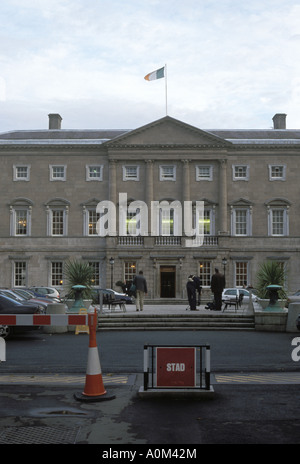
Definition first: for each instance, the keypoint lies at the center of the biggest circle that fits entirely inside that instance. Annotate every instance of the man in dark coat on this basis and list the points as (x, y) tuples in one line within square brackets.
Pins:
[(191, 292), (217, 286)]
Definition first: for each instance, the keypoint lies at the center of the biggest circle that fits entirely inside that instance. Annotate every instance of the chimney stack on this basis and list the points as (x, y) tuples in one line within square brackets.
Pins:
[(279, 121), (54, 121)]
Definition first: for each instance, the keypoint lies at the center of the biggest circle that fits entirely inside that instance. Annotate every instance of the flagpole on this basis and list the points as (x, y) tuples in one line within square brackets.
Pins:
[(166, 89)]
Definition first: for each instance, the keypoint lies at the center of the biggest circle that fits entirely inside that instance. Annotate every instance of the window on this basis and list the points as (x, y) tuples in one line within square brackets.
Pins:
[(20, 274), (21, 172), (205, 273), (240, 172), (278, 222), (278, 218), (241, 273), (204, 173), (93, 217), (166, 222), (130, 173), (277, 172), (94, 172), (167, 173), (96, 273), (58, 172), (57, 222), (20, 218), (241, 221), (56, 273), (129, 270), (57, 217)]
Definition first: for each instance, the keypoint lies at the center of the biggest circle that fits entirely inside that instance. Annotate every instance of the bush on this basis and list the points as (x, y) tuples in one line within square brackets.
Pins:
[(78, 273), (270, 273)]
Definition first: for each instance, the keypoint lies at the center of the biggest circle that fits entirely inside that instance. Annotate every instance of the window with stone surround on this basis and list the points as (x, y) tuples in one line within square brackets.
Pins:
[(277, 172), (94, 172), (240, 172), (21, 172), (58, 172)]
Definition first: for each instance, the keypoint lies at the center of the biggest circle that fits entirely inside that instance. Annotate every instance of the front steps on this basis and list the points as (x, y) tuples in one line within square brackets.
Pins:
[(188, 321)]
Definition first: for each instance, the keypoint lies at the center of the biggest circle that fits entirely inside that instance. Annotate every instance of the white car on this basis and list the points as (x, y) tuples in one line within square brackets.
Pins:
[(48, 292), (231, 293), (294, 298)]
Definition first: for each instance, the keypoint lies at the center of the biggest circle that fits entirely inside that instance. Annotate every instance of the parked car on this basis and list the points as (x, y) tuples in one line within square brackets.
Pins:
[(48, 292), (230, 293), (293, 298), (12, 294), (108, 295), (11, 306), (26, 295)]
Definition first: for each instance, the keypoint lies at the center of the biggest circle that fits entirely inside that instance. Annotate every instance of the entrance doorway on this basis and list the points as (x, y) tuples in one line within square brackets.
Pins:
[(167, 281)]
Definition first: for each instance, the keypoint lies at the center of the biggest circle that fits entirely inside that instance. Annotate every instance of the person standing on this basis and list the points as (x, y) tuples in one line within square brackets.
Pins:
[(191, 292), (141, 290), (217, 286)]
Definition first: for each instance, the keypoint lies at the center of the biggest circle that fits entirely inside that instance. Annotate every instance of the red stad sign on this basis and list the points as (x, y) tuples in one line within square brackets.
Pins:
[(175, 367)]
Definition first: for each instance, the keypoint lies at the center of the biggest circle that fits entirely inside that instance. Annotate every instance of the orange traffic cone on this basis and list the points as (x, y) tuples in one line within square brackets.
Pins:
[(94, 388)]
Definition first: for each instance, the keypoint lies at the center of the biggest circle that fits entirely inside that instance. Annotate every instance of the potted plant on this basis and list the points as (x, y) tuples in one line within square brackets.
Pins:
[(270, 274), (78, 277)]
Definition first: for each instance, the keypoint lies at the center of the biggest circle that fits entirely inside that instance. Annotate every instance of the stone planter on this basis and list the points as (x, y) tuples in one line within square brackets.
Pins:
[(265, 302), (87, 303), (271, 321)]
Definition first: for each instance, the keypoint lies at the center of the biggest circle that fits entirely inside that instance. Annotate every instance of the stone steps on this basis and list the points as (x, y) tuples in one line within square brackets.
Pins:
[(175, 322)]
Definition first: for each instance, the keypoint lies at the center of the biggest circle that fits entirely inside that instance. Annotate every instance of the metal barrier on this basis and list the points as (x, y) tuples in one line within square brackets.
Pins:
[(177, 367), (43, 319)]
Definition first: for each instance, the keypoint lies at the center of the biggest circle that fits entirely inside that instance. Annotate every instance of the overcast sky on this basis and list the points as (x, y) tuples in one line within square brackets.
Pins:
[(230, 63)]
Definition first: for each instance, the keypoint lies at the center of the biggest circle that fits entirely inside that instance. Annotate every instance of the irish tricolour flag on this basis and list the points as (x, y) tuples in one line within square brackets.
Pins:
[(158, 74)]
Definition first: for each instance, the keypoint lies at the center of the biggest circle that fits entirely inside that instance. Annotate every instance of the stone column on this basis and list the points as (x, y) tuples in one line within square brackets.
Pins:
[(149, 190), (223, 228), (186, 180), (113, 181)]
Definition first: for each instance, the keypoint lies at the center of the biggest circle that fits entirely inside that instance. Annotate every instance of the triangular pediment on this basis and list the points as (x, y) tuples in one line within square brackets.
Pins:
[(168, 131)]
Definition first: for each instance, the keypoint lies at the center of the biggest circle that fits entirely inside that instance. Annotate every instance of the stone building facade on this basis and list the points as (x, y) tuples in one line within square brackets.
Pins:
[(52, 181)]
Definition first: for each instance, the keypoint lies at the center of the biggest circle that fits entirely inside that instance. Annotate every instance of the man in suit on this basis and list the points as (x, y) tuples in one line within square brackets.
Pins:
[(217, 286)]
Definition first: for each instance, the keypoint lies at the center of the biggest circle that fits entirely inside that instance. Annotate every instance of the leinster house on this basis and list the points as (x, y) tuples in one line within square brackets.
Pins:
[(53, 181)]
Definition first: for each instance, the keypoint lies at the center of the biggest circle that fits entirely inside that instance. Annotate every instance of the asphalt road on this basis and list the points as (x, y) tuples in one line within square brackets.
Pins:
[(122, 351), (254, 411)]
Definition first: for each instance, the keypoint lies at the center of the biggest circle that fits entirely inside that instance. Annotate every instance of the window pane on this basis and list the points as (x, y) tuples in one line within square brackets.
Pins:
[(57, 222), (56, 273), (241, 222), (129, 270), (58, 172), (277, 222), (21, 222), (240, 171), (93, 218), (241, 276), (20, 274), (205, 273), (22, 172), (96, 273), (94, 172)]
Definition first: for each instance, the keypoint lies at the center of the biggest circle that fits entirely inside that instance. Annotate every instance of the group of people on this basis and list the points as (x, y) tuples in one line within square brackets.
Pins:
[(217, 286), (138, 288)]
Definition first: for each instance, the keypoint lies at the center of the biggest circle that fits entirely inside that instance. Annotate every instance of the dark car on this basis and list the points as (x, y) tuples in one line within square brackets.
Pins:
[(10, 306), (109, 295), (16, 296)]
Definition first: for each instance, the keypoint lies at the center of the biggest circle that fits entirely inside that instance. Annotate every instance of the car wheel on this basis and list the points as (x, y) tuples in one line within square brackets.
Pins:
[(5, 331)]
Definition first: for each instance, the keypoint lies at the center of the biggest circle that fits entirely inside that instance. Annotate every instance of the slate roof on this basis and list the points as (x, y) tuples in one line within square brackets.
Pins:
[(81, 136)]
